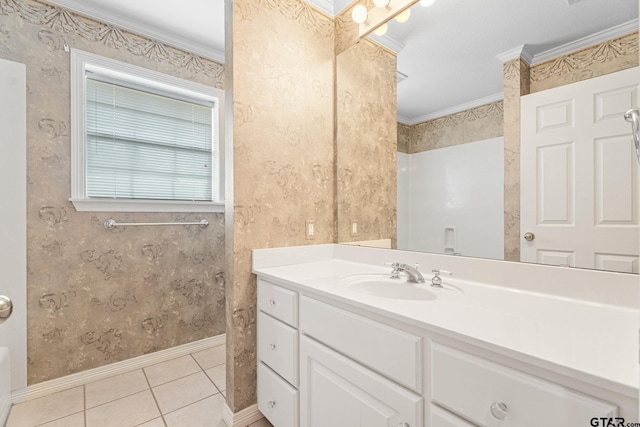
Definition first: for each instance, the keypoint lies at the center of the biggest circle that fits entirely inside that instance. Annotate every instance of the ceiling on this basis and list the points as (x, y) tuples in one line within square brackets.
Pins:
[(447, 51)]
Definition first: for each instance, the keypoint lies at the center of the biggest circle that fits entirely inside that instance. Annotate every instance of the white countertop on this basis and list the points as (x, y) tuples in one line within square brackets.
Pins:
[(596, 339)]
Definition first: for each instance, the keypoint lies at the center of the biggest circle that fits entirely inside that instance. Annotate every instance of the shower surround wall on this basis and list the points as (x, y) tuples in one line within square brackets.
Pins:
[(97, 296)]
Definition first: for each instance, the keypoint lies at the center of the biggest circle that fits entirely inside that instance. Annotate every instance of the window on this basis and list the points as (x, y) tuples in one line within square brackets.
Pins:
[(143, 141)]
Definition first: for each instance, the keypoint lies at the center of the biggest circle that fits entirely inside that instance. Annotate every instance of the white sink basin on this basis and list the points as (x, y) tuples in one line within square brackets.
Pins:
[(385, 287)]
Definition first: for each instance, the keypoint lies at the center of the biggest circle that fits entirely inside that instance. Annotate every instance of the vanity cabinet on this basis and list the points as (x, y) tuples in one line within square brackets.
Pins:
[(320, 364), (356, 371), (338, 392), (278, 396), (488, 393)]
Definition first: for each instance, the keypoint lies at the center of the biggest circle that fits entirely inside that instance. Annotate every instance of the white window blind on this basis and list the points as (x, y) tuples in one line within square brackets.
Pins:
[(143, 145)]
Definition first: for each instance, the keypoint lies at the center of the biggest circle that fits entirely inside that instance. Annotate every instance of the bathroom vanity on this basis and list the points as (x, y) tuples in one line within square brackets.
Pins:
[(501, 344)]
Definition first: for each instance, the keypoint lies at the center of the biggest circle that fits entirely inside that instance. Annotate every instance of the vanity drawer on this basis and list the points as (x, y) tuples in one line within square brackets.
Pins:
[(278, 347), (279, 302), (441, 418), (473, 387), (277, 400), (389, 351)]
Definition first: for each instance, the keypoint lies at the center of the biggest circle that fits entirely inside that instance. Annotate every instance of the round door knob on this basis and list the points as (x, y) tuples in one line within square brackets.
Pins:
[(6, 308), (529, 236), (271, 404), (499, 411)]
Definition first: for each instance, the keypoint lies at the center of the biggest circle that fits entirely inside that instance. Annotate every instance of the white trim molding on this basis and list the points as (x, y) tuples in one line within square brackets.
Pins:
[(241, 418), (599, 37), (517, 52), (138, 27), (388, 42), (85, 377), (81, 62), (455, 109)]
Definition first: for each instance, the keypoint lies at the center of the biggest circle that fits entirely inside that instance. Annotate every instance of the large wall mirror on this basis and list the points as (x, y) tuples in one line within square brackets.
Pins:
[(447, 184)]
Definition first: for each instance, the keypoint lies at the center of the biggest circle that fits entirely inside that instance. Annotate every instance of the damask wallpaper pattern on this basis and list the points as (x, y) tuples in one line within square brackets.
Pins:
[(609, 56), (97, 296), (367, 142), (283, 150), (474, 124)]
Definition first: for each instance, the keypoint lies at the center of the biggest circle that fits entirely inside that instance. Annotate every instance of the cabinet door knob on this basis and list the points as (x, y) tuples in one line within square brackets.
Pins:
[(499, 410), (271, 404), (272, 302), (272, 347), (529, 236), (404, 425)]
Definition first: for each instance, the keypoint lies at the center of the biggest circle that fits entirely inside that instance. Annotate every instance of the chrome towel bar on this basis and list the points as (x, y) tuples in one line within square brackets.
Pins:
[(111, 223)]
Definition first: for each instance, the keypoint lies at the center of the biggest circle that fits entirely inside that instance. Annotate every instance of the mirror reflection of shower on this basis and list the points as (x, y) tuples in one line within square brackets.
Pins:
[(451, 200)]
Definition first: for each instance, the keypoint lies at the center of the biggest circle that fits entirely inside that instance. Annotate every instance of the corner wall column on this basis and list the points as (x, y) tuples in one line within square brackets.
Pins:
[(516, 84)]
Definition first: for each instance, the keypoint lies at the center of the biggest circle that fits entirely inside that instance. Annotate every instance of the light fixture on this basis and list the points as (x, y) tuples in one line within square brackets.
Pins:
[(360, 14), (381, 30), (404, 16), (427, 3), (381, 3)]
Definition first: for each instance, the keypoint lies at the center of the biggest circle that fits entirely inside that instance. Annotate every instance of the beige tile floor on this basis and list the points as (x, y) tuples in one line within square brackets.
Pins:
[(184, 392)]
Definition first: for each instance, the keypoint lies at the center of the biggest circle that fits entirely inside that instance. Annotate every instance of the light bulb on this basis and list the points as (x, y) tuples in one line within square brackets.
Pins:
[(381, 30), (427, 3), (381, 3), (360, 14), (404, 16)]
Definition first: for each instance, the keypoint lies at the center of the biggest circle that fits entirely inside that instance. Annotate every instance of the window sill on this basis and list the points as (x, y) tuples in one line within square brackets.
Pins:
[(95, 205)]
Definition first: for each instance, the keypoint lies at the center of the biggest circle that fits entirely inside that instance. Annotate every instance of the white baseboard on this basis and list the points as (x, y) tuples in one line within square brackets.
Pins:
[(241, 418), (91, 375)]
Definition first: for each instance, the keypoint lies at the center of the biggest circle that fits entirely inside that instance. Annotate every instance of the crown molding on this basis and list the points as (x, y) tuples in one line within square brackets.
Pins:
[(599, 37), (324, 5), (517, 52), (455, 109), (388, 42), (144, 30)]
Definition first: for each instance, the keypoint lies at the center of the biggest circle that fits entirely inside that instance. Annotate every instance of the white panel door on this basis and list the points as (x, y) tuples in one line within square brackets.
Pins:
[(579, 175), (338, 392), (13, 178)]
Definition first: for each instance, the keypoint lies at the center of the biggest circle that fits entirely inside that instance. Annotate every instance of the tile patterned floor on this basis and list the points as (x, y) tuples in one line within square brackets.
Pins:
[(184, 392)]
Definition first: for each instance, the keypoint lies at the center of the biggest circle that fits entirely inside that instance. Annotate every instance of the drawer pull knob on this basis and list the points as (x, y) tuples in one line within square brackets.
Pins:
[(271, 404), (272, 302), (272, 347), (499, 410)]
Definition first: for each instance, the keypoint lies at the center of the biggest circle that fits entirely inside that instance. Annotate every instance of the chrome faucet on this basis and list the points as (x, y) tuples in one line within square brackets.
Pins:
[(412, 272), (436, 281)]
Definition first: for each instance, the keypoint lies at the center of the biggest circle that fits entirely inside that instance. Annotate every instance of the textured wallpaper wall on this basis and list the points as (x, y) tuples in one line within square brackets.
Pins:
[(475, 124), (284, 174), (98, 296), (366, 142)]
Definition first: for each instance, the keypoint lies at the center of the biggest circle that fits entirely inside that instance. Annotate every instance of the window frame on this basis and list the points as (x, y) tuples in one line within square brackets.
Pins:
[(152, 81)]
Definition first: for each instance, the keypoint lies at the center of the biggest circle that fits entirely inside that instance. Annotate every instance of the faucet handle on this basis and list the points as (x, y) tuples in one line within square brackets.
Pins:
[(395, 274), (436, 281)]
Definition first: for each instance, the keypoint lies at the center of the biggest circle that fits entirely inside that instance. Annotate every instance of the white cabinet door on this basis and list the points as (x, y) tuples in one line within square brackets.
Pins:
[(338, 392), (13, 228), (579, 174)]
